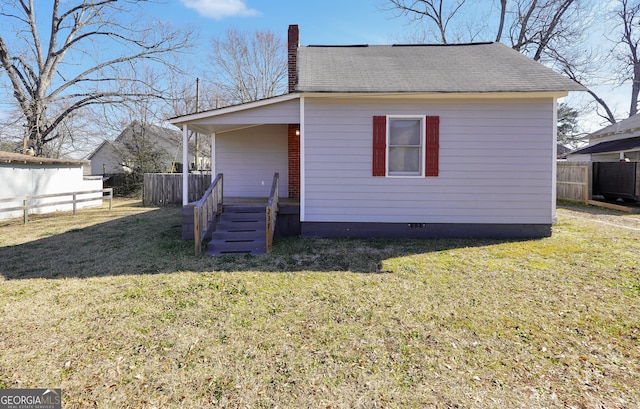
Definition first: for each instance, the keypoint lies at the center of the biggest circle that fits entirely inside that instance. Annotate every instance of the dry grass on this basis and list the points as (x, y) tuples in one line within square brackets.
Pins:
[(113, 308)]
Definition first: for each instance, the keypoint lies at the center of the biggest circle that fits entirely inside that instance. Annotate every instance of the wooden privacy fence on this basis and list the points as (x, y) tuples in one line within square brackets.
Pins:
[(34, 202), (165, 189), (573, 181)]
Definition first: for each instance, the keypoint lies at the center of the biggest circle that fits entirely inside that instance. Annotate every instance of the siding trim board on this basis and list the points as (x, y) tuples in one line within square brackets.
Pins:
[(482, 96), (423, 230)]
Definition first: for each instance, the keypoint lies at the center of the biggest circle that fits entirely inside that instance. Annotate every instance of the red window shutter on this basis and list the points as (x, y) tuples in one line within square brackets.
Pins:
[(432, 146), (379, 145)]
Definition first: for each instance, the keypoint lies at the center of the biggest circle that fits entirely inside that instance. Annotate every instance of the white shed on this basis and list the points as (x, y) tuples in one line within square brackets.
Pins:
[(23, 175)]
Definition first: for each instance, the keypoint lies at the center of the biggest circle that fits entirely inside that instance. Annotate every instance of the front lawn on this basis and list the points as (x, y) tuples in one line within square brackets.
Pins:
[(112, 307)]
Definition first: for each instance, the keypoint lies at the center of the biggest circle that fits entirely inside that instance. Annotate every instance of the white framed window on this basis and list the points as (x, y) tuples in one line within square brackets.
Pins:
[(405, 146)]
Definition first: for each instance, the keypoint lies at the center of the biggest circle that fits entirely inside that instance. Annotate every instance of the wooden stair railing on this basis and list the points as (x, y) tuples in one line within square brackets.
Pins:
[(272, 210), (206, 210)]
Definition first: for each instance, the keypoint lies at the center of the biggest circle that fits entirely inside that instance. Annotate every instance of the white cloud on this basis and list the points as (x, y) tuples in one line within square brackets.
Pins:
[(219, 9)]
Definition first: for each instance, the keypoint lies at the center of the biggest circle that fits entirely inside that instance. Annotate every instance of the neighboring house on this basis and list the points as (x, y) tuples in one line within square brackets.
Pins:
[(113, 157), (615, 155), (562, 151), (400, 141), (613, 143), (24, 175)]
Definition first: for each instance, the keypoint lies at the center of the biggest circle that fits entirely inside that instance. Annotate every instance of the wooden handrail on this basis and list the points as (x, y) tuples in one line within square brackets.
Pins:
[(206, 210), (26, 199), (272, 210)]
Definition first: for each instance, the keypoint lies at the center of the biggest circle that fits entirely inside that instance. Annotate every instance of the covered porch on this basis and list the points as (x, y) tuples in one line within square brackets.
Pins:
[(250, 143)]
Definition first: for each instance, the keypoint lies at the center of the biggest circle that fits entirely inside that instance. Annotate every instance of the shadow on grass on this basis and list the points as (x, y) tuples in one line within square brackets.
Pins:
[(150, 243)]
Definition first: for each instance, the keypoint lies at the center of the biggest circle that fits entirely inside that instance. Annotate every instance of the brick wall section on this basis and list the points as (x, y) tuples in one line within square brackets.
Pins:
[(294, 161), (292, 53)]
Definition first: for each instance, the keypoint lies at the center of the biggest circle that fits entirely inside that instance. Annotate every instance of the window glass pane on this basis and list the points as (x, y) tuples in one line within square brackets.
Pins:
[(404, 132), (404, 161)]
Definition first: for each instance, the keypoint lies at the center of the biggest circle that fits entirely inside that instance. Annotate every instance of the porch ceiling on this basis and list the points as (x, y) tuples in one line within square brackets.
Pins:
[(209, 129)]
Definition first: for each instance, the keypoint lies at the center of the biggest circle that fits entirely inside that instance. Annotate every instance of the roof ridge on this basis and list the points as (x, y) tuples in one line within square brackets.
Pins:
[(444, 45), (397, 45), (337, 45)]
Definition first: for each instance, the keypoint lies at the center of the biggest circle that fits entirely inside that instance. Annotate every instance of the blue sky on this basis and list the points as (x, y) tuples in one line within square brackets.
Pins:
[(321, 22)]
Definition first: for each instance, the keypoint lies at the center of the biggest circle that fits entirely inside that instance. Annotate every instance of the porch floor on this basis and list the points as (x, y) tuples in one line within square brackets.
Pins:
[(258, 201), (288, 221)]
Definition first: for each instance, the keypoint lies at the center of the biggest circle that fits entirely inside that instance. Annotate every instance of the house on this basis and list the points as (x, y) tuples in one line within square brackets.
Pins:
[(614, 156), (399, 141), (25, 175), (114, 157), (613, 143), (562, 151)]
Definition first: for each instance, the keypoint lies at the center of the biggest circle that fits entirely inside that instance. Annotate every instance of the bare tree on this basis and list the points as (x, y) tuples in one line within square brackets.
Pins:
[(554, 32), (434, 11), (626, 49), (537, 28), (249, 66), (549, 30), (84, 59), (503, 12)]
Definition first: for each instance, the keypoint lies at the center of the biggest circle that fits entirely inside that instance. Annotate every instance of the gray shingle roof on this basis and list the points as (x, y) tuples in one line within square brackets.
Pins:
[(11, 157), (168, 140), (619, 145), (480, 67), (630, 125)]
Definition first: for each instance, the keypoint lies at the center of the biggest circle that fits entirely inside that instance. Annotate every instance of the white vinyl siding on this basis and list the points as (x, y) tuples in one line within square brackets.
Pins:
[(495, 163), (248, 158)]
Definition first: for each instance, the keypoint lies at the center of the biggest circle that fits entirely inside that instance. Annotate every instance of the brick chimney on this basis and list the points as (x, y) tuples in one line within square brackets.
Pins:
[(292, 52)]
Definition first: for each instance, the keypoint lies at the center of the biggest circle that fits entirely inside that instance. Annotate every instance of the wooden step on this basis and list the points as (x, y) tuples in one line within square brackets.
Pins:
[(239, 234), (239, 230), (243, 216), (243, 209), (236, 246)]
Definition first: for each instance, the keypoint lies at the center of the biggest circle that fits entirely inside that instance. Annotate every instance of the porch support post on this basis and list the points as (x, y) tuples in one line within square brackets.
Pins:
[(214, 172), (185, 165)]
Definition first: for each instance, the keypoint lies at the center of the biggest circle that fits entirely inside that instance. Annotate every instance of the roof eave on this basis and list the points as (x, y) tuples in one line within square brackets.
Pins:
[(34, 160), (184, 119), (629, 131), (439, 94)]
